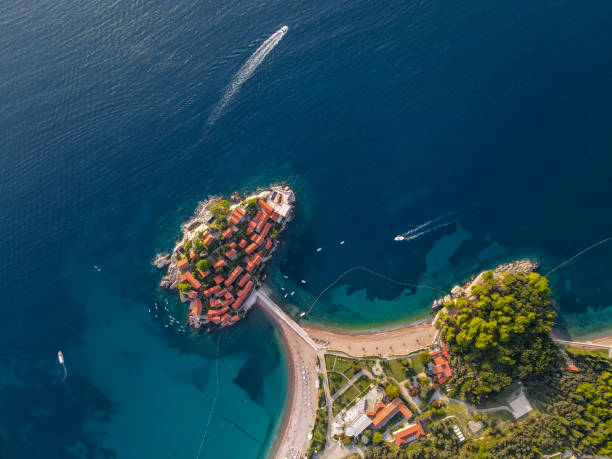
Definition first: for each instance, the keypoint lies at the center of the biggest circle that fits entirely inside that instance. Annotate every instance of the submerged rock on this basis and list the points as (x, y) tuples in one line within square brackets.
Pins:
[(161, 260)]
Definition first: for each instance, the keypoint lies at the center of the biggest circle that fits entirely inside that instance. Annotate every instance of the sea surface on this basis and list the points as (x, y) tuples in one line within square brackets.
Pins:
[(481, 131)]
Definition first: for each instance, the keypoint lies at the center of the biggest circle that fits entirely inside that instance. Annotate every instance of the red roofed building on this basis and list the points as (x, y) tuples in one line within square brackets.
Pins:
[(440, 366), (219, 264), (265, 206), (203, 274), (383, 415), (572, 368), (244, 279), (268, 245), (183, 264), (242, 244), (187, 277), (234, 275), (408, 434), (233, 245), (196, 306), (218, 279), (235, 318), (192, 256), (237, 215), (251, 227), (251, 248), (211, 290), (266, 229), (227, 233), (276, 217), (208, 239), (231, 254)]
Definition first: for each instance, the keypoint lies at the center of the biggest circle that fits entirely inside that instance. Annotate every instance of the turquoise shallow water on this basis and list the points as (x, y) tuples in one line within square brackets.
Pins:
[(489, 120)]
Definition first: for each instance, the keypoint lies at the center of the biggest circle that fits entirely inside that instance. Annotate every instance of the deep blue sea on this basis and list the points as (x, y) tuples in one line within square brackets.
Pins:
[(480, 130)]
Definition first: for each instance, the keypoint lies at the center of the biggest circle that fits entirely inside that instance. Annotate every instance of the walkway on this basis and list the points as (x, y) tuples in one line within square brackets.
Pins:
[(347, 384)]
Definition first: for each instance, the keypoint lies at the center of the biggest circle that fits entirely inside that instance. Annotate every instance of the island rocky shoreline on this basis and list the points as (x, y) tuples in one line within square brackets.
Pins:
[(217, 263)]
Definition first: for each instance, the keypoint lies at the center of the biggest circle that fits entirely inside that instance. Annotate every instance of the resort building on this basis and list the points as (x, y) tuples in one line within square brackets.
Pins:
[(408, 434), (381, 413), (439, 365)]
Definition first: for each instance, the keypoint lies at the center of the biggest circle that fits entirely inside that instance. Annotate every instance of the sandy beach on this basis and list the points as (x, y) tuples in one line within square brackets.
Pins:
[(399, 341), (299, 414)]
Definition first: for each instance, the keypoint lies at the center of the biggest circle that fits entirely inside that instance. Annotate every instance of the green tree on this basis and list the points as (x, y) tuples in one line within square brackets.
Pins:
[(184, 287), (392, 390), (203, 265), (221, 209), (377, 438), (425, 358)]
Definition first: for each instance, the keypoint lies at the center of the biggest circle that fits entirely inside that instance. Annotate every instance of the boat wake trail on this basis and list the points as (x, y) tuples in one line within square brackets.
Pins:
[(423, 228), (246, 71)]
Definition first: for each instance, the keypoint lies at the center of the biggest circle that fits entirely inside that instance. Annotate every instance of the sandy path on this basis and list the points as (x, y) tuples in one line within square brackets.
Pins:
[(399, 341)]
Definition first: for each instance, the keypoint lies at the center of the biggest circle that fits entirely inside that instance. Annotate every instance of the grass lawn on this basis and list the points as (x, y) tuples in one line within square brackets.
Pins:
[(336, 381), (585, 350), (395, 369), (349, 367), (417, 364), (319, 432), (502, 416), (460, 411)]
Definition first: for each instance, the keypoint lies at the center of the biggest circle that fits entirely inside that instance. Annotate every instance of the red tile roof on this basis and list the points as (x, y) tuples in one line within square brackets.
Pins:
[(265, 206), (211, 290), (186, 276), (218, 279), (383, 415), (442, 369), (408, 434), (231, 254), (232, 277), (235, 318), (572, 369), (266, 229), (192, 256), (203, 274), (183, 264), (268, 245), (192, 294), (227, 233), (242, 244), (208, 240), (237, 215), (251, 248), (375, 409), (219, 264), (196, 306), (233, 245), (244, 279)]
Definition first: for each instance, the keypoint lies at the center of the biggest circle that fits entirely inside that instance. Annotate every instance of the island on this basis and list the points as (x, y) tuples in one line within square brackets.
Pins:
[(217, 264), (486, 377)]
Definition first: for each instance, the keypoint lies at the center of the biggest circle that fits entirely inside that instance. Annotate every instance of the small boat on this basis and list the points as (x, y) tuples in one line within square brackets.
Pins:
[(303, 281), (166, 325), (285, 276), (60, 357), (319, 249), (303, 314), (292, 293), (341, 242), (283, 288), (286, 295), (97, 268), (399, 238)]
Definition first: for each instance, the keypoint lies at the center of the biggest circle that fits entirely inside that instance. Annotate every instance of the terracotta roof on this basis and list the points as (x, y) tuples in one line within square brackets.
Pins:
[(192, 256), (408, 434), (251, 248), (266, 229), (276, 217), (383, 415), (227, 233), (242, 244), (233, 245), (183, 264), (218, 279), (244, 279), (232, 277), (268, 245), (196, 306), (442, 369), (235, 318), (231, 254), (211, 290), (572, 368), (261, 223), (192, 294), (265, 206), (186, 276), (219, 264), (375, 409), (237, 215), (208, 240), (203, 274), (251, 227)]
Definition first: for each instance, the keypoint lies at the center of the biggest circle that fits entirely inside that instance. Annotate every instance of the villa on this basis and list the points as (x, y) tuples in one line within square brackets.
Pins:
[(408, 434), (439, 366)]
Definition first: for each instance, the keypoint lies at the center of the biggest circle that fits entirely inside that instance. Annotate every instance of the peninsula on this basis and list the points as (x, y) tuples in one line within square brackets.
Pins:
[(217, 264)]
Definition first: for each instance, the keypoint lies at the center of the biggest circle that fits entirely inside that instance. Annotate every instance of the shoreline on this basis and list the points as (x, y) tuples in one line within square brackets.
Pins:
[(283, 424)]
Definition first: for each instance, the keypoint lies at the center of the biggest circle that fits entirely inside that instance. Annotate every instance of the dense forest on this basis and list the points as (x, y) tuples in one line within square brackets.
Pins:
[(499, 333)]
